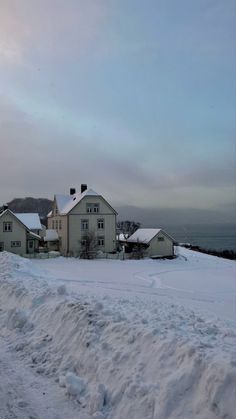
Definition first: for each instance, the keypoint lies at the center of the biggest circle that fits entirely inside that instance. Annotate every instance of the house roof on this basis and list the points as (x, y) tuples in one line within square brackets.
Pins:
[(51, 236), (21, 222), (31, 220), (145, 235), (65, 203), (34, 236)]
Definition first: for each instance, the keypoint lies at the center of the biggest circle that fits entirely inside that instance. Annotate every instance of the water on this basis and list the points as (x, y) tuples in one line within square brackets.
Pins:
[(214, 237)]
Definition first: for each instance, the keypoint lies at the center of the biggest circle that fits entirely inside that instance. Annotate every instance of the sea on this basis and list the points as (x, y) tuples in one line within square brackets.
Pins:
[(208, 236)]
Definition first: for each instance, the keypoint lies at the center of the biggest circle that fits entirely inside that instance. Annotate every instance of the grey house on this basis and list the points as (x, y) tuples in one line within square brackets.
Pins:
[(78, 213), (15, 235)]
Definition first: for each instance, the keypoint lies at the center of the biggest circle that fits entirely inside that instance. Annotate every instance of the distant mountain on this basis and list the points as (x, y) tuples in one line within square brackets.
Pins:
[(161, 217), (41, 205)]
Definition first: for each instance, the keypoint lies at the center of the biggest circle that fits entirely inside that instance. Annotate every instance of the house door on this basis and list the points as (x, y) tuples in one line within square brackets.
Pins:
[(1, 246), (31, 246)]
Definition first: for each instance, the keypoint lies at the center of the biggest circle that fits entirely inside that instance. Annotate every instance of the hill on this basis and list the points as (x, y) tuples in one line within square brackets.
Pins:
[(41, 205)]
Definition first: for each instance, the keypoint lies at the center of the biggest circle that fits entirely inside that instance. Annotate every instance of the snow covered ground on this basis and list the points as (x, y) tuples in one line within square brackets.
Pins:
[(108, 339)]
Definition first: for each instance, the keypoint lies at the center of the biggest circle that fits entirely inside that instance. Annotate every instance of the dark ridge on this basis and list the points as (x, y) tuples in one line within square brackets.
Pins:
[(40, 205), (226, 254)]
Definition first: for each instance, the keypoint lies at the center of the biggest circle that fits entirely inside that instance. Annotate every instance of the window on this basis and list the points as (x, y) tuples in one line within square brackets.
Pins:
[(89, 207), (56, 224), (7, 226), (83, 242), (1, 246), (100, 224), (160, 239), (96, 208), (59, 224), (92, 207), (16, 244), (84, 224), (101, 241), (53, 224)]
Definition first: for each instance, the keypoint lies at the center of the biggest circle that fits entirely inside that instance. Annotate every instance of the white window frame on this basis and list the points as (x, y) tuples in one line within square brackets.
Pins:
[(101, 241), (101, 223), (84, 225), (16, 243), (89, 207), (7, 226), (96, 208)]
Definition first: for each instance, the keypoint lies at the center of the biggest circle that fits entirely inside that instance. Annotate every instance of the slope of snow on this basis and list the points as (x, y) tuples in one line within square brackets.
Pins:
[(30, 220), (143, 235), (116, 339)]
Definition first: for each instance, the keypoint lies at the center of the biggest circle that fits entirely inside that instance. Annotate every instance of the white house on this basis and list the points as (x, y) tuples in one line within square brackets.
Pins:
[(155, 242), (15, 235), (76, 214)]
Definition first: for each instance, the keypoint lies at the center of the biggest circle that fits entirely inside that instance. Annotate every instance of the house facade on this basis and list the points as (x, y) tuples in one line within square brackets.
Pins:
[(15, 236), (75, 215), (155, 241)]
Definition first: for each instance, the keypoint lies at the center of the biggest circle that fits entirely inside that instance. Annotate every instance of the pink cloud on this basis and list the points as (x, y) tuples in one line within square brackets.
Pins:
[(52, 29)]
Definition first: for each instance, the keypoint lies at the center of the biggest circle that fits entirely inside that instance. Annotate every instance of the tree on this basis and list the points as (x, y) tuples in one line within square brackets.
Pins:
[(127, 227), (88, 245), (139, 250)]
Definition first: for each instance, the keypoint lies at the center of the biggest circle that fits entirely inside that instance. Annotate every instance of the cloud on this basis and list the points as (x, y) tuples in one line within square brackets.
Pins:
[(49, 29), (42, 159)]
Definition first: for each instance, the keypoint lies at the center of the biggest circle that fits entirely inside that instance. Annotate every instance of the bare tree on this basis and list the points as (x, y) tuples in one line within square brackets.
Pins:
[(127, 227), (88, 245)]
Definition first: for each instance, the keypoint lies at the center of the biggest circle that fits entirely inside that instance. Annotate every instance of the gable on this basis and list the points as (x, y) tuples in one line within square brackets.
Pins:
[(9, 216), (82, 205)]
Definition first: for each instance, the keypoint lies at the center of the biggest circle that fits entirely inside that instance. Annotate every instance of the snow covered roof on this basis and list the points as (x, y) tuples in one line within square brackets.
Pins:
[(65, 203), (51, 235), (144, 235), (30, 220), (49, 214), (35, 236), (23, 222)]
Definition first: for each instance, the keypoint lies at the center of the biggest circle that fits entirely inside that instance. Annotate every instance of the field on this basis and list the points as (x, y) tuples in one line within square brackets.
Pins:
[(106, 339)]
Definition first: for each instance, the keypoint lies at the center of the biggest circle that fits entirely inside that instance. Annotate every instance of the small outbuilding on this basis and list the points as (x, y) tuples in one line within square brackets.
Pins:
[(52, 240), (154, 242)]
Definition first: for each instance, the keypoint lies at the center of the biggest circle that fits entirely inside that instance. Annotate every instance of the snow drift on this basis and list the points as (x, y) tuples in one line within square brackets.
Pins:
[(118, 359)]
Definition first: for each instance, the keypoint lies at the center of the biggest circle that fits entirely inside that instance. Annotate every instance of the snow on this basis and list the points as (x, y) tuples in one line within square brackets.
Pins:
[(62, 201), (51, 235), (35, 236), (65, 203), (30, 220), (144, 235), (109, 339)]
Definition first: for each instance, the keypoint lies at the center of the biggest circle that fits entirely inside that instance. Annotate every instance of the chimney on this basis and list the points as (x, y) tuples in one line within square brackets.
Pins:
[(5, 207), (72, 191), (83, 187)]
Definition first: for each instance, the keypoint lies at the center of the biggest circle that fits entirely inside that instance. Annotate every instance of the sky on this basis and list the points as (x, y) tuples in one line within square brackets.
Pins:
[(135, 98)]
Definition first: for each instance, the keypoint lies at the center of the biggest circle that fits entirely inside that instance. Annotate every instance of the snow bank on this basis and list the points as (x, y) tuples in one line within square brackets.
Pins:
[(118, 359)]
